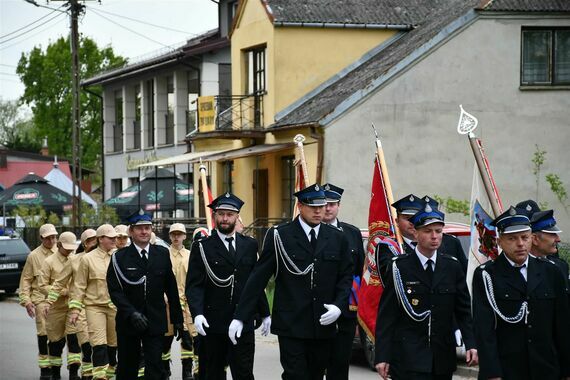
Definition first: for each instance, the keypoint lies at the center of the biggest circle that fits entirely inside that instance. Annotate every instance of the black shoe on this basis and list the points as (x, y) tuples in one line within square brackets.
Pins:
[(55, 373), (45, 373)]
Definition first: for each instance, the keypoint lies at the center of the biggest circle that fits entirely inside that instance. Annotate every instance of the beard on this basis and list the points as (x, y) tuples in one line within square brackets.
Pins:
[(228, 229)]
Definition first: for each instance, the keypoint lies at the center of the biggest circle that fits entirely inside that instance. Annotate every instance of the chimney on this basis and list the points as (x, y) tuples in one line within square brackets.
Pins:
[(45, 150)]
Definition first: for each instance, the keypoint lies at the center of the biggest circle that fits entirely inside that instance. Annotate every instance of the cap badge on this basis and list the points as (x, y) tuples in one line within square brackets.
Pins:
[(141, 212), (512, 211), (327, 187), (316, 187), (528, 208), (426, 199), (227, 195), (412, 198), (428, 208)]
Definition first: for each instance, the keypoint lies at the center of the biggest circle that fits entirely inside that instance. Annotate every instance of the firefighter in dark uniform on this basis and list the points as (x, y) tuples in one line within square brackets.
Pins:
[(342, 348), (219, 267), (313, 274), (424, 292), (138, 277), (520, 309)]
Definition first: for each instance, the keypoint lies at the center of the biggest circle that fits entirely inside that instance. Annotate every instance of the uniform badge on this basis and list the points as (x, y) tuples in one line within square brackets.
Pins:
[(327, 187), (411, 198), (415, 301), (316, 187), (409, 291), (227, 195)]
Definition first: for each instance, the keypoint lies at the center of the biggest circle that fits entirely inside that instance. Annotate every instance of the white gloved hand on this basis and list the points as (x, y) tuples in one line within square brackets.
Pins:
[(458, 338), (331, 315), (265, 325), (200, 322), (235, 330)]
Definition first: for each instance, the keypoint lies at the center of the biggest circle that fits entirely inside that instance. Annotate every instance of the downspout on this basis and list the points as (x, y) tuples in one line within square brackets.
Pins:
[(102, 142)]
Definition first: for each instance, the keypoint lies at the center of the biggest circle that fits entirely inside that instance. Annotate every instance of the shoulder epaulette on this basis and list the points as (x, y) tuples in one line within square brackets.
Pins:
[(337, 228), (446, 256), (453, 236), (281, 225), (545, 259), (401, 256)]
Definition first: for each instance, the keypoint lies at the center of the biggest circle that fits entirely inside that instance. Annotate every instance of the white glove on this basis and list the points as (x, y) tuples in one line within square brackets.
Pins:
[(265, 326), (200, 322), (235, 330), (458, 338), (330, 316)]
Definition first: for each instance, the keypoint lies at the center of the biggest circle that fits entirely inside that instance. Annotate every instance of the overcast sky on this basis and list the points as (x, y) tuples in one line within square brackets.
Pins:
[(111, 22)]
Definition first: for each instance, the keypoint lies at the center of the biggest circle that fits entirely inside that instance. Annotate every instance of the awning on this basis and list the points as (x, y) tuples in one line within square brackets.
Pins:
[(254, 150), (186, 158)]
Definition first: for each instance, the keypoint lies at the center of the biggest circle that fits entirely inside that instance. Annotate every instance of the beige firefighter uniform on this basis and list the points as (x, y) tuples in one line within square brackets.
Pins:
[(90, 292), (30, 292)]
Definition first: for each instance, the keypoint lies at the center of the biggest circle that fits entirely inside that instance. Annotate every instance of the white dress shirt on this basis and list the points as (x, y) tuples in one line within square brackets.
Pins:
[(424, 259), (139, 249), (226, 243), (524, 265), (308, 228)]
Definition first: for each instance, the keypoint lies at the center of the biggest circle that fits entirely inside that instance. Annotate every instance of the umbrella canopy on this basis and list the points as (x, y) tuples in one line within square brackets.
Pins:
[(160, 190), (33, 190)]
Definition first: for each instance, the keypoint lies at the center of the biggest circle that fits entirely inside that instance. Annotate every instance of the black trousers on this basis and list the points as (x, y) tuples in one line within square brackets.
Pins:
[(399, 373), (304, 359), (129, 355), (341, 352), (216, 351)]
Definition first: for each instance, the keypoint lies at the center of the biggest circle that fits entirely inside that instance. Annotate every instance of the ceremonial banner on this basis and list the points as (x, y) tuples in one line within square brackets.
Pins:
[(380, 231), (301, 175), (483, 245), (208, 199)]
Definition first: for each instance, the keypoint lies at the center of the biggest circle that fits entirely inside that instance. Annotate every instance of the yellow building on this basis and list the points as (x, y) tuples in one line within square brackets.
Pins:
[(282, 51)]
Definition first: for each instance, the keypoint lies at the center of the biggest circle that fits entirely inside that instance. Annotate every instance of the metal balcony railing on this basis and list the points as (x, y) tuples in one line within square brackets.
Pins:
[(239, 112), (191, 116), (136, 142)]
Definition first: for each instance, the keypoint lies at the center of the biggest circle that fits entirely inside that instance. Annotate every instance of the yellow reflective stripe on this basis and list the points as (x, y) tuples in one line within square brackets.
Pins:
[(110, 371), (56, 361), (166, 356), (182, 303), (74, 304), (141, 372), (86, 369), (186, 354), (43, 361), (53, 296), (73, 358), (111, 305), (100, 372)]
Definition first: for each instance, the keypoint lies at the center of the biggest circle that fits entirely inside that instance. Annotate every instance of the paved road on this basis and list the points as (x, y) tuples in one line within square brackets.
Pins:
[(18, 350)]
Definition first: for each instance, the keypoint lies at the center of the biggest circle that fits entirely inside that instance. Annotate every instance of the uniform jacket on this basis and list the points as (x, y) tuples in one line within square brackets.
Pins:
[(401, 340), (356, 249), (539, 349), (298, 306), (450, 245), (52, 269), (29, 288), (90, 285), (217, 304), (130, 298), (66, 279)]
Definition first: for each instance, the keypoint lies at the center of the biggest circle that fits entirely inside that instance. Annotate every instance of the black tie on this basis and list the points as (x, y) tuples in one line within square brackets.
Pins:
[(231, 249), (429, 270), (144, 257), (520, 271), (313, 240)]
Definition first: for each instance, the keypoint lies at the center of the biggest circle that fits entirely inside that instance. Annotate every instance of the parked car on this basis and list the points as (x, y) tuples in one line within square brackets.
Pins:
[(13, 254), (361, 340)]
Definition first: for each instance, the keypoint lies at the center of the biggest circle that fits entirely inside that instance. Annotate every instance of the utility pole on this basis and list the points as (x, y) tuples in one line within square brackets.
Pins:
[(75, 9)]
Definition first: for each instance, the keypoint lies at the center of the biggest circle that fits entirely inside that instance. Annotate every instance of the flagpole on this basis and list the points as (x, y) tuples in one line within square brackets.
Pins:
[(485, 173), (465, 126), (299, 139), (205, 196), (387, 185)]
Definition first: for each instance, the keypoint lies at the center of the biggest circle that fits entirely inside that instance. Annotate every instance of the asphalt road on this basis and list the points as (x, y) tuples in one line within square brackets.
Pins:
[(18, 350)]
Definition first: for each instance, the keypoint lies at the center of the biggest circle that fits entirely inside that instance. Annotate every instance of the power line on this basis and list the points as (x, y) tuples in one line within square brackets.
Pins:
[(145, 22), (30, 24), (30, 36), (5, 73), (130, 30), (29, 30)]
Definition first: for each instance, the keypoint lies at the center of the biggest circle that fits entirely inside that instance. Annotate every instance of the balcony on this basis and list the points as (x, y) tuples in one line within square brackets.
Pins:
[(230, 113)]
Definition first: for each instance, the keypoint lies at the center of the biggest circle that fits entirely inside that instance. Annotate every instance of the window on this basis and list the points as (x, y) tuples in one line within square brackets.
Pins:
[(287, 185), (545, 56), (149, 114), (193, 93), (118, 126), (169, 122), (228, 176), (116, 186), (256, 71), (137, 121)]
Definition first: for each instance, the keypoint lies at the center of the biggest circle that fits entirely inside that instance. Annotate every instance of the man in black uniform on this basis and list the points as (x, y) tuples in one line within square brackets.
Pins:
[(545, 239), (342, 347), (218, 270), (313, 274), (138, 277), (520, 309), (425, 290)]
